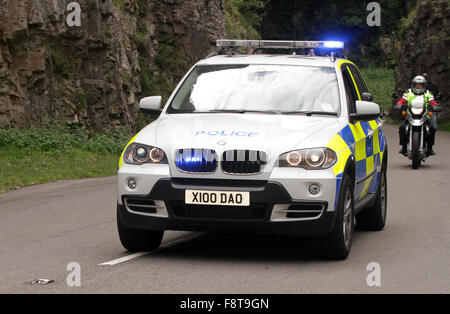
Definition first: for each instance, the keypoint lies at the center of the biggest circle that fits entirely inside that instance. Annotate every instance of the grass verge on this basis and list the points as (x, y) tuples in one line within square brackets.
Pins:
[(22, 168), (40, 155)]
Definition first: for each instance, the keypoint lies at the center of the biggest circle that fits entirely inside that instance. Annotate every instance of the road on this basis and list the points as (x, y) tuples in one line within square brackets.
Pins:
[(44, 228)]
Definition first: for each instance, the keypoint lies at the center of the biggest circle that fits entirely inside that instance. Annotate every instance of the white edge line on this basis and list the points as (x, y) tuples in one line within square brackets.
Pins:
[(163, 246), (123, 259)]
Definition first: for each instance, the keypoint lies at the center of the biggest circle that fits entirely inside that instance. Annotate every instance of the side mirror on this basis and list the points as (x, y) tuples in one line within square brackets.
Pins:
[(438, 96), (367, 97), (396, 95), (365, 111), (150, 105)]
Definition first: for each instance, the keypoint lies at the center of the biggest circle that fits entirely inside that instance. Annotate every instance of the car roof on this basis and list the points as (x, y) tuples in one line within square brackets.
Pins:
[(270, 59)]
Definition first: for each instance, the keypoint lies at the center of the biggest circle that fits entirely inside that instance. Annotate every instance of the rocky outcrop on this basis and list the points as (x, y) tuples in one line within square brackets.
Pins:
[(425, 45), (94, 74)]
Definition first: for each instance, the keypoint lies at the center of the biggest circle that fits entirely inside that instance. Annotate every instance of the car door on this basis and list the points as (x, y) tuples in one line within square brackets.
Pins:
[(362, 132), (374, 149)]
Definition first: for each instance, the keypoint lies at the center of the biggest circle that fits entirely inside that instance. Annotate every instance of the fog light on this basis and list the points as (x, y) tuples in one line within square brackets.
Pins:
[(314, 189), (132, 183)]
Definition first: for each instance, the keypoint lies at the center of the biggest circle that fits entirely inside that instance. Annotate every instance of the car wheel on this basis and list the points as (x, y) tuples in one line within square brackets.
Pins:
[(374, 218), (138, 240), (339, 242)]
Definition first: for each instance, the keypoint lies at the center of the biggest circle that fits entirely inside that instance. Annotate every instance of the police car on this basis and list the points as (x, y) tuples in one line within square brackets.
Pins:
[(261, 143)]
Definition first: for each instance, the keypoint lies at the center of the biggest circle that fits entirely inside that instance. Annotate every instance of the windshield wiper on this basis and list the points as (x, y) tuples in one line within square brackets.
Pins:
[(243, 111), (310, 113)]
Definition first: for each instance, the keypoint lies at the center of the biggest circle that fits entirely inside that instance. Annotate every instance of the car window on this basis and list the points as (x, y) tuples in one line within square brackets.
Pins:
[(362, 87), (351, 93), (281, 88)]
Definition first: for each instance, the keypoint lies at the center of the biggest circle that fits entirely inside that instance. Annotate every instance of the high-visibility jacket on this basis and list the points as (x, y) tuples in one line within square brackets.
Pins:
[(409, 96)]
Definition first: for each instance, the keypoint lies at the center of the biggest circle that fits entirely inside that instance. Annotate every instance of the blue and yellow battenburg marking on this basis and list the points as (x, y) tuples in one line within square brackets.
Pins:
[(354, 140)]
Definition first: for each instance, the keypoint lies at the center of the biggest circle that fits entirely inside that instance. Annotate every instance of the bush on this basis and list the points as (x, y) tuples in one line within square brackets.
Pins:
[(60, 138), (381, 83)]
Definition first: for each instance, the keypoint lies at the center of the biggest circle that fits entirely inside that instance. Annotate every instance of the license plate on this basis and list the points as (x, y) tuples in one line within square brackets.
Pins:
[(221, 198)]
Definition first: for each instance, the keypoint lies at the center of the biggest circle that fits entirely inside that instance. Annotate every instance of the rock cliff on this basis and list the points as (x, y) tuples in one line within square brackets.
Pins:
[(94, 74), (425, 45)]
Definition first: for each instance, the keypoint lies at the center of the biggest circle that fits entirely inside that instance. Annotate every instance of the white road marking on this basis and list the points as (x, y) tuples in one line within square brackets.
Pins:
[(123, 259), (163, 246)]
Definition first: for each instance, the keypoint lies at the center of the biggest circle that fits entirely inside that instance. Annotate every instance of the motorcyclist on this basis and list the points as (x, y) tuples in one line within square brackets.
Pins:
[(418, 89)]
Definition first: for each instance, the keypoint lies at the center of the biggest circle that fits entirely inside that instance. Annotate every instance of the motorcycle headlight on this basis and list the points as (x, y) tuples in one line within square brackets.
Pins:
[(417, 111), (311, 159), (138, 154)]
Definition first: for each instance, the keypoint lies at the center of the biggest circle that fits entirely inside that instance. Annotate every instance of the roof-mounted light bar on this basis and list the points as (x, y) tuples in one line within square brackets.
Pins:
[(279, 44)]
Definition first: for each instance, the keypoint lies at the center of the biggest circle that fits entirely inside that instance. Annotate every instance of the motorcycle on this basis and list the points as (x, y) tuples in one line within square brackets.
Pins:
[(417, 128)]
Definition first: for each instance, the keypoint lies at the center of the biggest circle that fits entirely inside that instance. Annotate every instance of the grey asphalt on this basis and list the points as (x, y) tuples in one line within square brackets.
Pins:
[(45, 227)]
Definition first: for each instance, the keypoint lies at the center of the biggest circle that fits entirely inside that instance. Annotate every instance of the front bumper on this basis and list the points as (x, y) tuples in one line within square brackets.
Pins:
[(273, 210)]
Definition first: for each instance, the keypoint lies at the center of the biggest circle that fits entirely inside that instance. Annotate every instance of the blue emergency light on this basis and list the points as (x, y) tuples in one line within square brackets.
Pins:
[(279, 44)]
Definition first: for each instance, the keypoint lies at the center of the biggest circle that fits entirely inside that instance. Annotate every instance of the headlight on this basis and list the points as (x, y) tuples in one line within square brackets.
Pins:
[(138, 154), (417, 111), (316, 158)]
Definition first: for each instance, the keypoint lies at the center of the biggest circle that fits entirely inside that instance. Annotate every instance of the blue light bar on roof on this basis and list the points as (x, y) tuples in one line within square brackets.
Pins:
[(333, 44), (280, 44)]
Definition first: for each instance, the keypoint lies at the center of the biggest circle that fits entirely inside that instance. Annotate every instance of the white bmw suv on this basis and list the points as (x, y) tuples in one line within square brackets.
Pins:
[(278, 144)]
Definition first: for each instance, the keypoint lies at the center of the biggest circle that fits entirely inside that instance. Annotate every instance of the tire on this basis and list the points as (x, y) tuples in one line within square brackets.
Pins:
[(137, 240), (415, 150), (374, 218), (339, 241)]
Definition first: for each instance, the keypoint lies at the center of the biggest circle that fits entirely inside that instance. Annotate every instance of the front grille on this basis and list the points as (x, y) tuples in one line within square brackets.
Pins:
[(141, 205), (255, 211), (196, 160), (243, 161)]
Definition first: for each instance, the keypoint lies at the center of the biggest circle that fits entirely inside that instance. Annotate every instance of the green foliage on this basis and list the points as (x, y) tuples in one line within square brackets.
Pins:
[(143, 120), (39, 155), (172, 63), (120, 4), (252, 11), (61, 138), (62, 65), (334, 20), (244, 17), (147, 82), (170, 55), (154, 82), (381, 83), (407, 21)]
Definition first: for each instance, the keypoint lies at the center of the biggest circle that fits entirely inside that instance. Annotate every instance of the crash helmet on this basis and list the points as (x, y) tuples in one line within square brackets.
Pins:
[(418, 85)]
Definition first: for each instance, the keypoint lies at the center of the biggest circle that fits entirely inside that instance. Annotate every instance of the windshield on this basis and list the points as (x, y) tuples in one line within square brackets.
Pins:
[(258, 88)]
